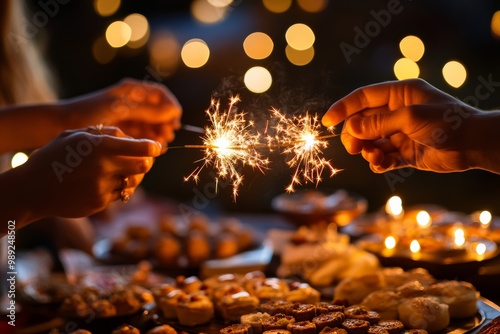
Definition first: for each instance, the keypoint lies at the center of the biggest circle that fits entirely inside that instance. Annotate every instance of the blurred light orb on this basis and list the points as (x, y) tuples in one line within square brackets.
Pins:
[(454, 73), (164, 52), (300, 37), (277, 6), (258, 79), (106, 7), (139, 25), (101, 50), (412, 47), (195, 53), (204, 12), (312, 6), (220, 3), (258, 45), (299, 58), (406, 68), (18, 159), (495, 24), (118, 34)]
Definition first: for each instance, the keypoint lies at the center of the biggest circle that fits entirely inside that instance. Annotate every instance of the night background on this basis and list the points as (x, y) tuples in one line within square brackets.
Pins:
[(460, 30)]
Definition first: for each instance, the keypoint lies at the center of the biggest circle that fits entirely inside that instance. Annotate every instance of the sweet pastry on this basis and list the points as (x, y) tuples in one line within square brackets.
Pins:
[(167, 250), (392, 326), (103, 308), (162, 329), (75, 306), (332, 320), (362, 313), (301, 312), (424, 312), (377, 330), (328, 307), (273, 307), (410, 289), (189, 285), (162, 290), (277, 331), (168, 225), (302, 327), (355, 289), (461, 297), (195, 309), (335, 330), (237, 329), (384, 302), (355, 326), (199, 222), (414, 331), (137, 232), (232, 307), (226, 246), (270, 288), (277, 321), (303, 293), (126, 329), (197, 247), (168, 304), (124, 302), (255, 320), (142, 294)]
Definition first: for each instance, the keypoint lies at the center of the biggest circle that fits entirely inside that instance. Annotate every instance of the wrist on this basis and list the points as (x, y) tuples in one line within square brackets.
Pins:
[(481, 140)]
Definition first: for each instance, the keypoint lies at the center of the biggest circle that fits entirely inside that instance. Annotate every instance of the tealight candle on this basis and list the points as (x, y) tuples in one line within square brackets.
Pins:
[(485, 219), (394, 207), (415, 249), (424, 219)]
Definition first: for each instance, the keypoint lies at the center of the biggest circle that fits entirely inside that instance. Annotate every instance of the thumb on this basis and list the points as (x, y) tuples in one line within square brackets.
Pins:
[(376, 126)]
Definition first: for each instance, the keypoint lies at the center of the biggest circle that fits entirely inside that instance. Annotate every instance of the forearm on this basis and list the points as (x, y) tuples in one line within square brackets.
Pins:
[(483, 141), (16, 204), (26, 127)]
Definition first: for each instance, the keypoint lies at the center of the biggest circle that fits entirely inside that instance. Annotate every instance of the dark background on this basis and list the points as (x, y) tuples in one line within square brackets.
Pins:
[(458, 30)]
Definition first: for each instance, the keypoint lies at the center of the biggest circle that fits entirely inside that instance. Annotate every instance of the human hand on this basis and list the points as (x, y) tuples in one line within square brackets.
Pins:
[(405, 124), (81, 172), (141, 109)]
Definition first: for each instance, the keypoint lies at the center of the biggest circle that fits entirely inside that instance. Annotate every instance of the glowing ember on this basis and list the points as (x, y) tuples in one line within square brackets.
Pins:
[(300, 137), (228, 144)]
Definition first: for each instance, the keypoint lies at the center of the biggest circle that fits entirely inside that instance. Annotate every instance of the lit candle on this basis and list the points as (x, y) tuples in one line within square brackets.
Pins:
[(459, 237), (424, 220), (394, 207), (415, 249), (485, 219), (390, 242)]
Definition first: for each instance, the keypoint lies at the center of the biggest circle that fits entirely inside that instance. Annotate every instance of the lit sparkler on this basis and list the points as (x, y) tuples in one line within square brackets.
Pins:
[(300, 137), (228, 143)]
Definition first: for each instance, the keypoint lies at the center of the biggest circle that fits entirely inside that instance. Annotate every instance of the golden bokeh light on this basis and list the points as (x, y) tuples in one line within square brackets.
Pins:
[(412, 47), (300, 37), (406, 68), (204, 12), (164, 51), (258, 79), (220, 3), (195, 53), (454, 73), (258, 45), (277, 6), (106, 7), (118, 34), (495, 24), (101, 50), (18, 159), (140, 30), (312, 6), (299, 58)]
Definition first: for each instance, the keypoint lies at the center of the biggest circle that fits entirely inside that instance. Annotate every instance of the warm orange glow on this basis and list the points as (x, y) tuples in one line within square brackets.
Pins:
[(258, 79), (106, 7), (277, 6), (140, 30), (412, 47), (406, 68), (220, 3), (258, 45), (18, 159), (164, 51), (459, 236), (390, 242), (454, 73), (203, 11), (394, 206), (118, 34), (414, 246), (424, 219), (480, 248), (299, 58), (101, 50), (300, 36), (485, 219), (495, 24), (312, 6), (195, 53)]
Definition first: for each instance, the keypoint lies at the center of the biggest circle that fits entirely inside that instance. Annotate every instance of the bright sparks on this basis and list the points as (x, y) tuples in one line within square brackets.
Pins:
[(300, 138), (229, 144)]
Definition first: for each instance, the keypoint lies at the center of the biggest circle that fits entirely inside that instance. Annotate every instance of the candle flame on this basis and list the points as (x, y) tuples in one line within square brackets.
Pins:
[(485, 218), (414, 246), (480, 248), (424, 219), (394, 206), (390, 242), (459, 235)]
